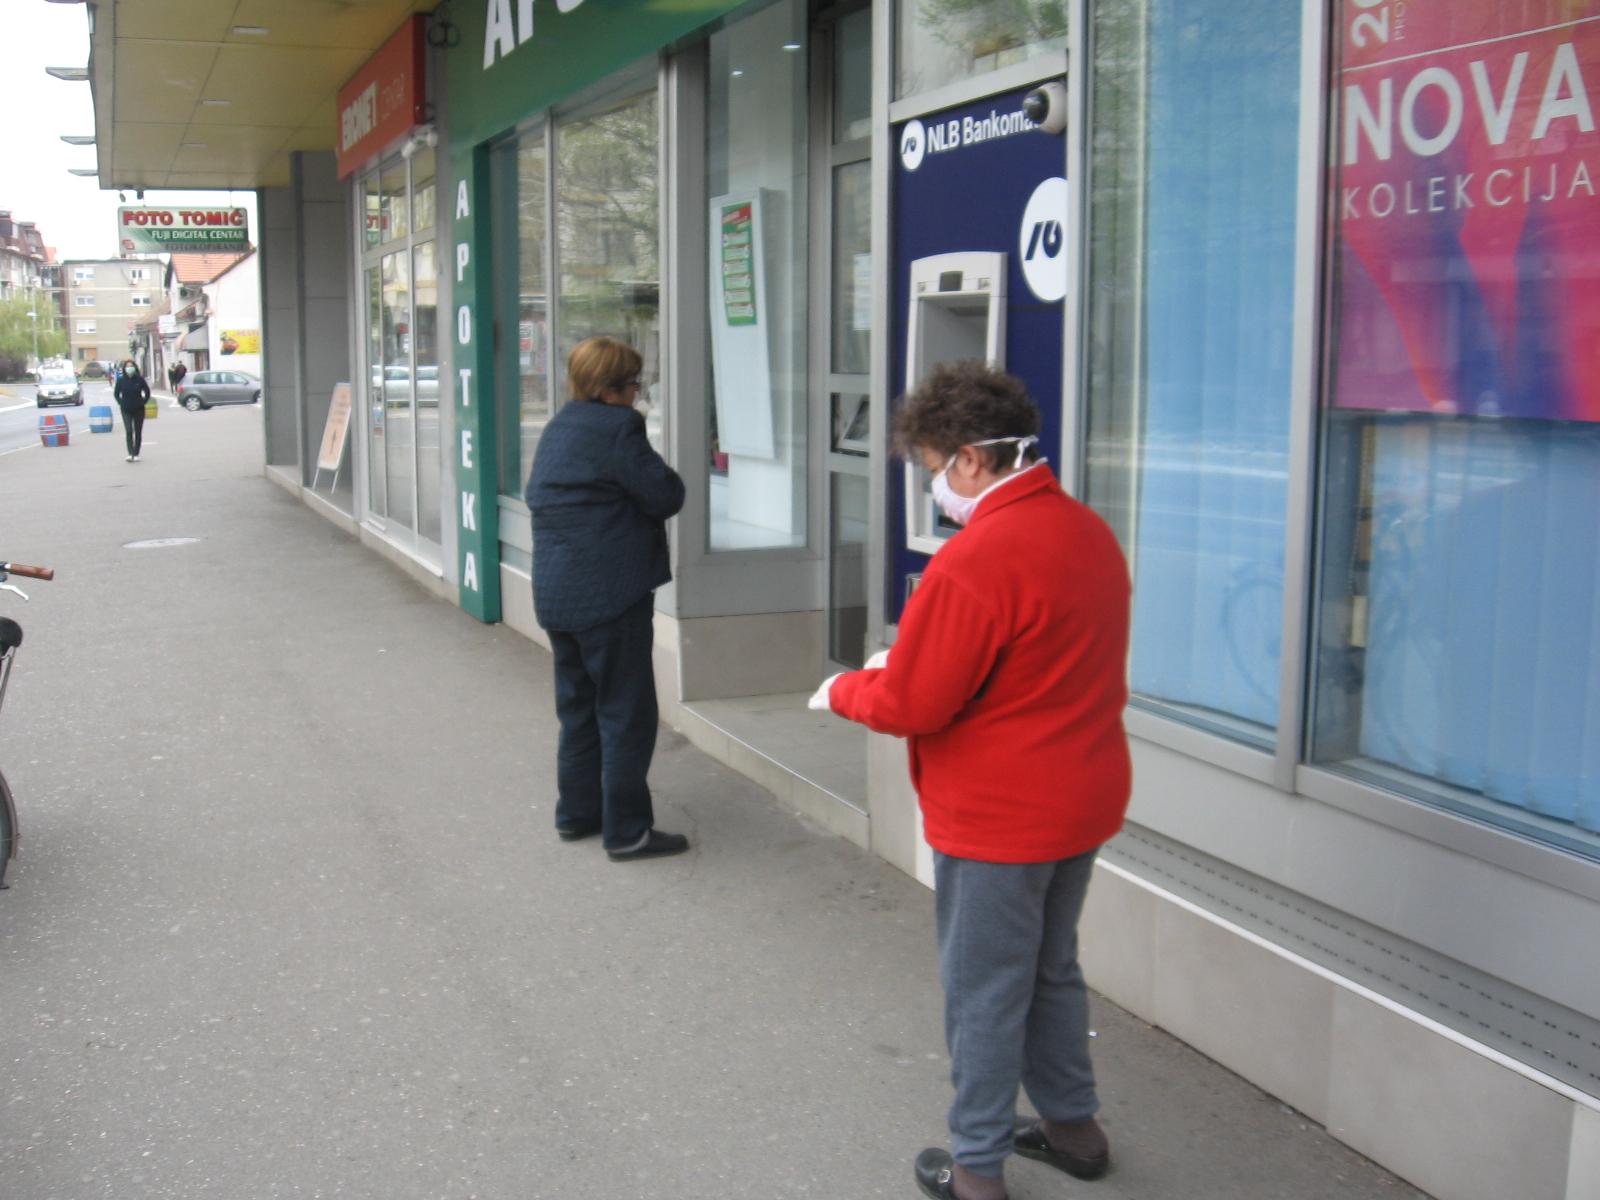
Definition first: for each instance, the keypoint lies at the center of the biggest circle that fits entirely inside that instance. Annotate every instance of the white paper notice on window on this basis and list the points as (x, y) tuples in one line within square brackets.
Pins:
[(861, 293)]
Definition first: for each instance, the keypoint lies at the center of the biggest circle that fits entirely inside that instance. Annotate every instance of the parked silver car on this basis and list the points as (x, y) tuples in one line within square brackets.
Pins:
[(202, 389)]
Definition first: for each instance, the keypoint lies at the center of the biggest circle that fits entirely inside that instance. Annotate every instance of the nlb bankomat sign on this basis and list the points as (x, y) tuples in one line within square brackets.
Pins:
[(143, 229)]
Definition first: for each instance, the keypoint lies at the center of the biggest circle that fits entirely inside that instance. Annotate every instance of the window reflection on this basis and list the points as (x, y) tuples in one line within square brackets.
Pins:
[(399, 429), (395, 212), (758, 228), (425, 388), (608, 230), (944, 41), (1191, 343), (520, 170), (422, 189)]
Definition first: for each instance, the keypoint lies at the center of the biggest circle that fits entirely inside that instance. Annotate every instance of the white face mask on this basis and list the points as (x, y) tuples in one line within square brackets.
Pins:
[(960, 508)]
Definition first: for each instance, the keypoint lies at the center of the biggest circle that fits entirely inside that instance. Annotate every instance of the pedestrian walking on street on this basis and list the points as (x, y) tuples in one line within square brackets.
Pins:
[(600, 497), (132, 394), (1008, 677)]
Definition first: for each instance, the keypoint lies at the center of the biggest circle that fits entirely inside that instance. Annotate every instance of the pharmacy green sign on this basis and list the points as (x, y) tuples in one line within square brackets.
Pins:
[(517, 57)]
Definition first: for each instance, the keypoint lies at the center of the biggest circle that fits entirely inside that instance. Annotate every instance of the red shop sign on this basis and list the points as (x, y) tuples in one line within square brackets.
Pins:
[(384, 99)]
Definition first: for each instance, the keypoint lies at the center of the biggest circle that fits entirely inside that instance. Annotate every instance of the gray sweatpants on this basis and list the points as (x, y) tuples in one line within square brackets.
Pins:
[(1015, 1006)]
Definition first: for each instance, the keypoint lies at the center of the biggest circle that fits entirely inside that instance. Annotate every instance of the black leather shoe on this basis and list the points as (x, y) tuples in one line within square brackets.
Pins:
[(935, 1171), (576, 833), (655, 845), (1030, 1142)]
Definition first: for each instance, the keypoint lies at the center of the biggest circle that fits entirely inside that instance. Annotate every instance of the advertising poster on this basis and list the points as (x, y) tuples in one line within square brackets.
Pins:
[(334, 429), (1467, 208), (240, 341), (738, 272), (148, 229), (741, 326)]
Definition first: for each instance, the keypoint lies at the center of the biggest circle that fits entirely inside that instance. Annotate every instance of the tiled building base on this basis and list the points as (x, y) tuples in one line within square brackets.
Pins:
[(1457, 1119)]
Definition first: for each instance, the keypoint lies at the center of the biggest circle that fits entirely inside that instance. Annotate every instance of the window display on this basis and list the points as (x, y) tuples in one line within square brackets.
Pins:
[(1458, 628), (1192, 219)]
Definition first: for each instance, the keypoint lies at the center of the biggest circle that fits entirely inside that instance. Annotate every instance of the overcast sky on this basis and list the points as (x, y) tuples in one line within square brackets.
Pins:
[(72, 213)]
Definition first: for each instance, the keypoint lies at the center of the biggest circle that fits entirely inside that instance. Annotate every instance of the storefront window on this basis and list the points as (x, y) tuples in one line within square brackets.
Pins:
[(945, 41), (1192, 219), (522, 292), (377, 475), (423, 191), (399, 427), (372, 212), (608, 232), (852, 76), (425, 389), (852, 268), (399, 263), (1458, 630), (756, 181), (395, 222)]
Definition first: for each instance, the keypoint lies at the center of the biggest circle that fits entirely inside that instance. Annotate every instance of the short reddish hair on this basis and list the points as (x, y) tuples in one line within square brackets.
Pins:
[(598, 363)]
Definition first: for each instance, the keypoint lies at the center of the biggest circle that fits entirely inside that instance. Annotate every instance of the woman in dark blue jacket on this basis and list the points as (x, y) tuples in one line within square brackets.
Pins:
[(600, 497), (132, 392)]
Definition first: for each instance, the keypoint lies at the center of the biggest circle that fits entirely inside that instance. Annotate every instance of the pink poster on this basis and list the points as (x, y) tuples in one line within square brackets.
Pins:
[(1467, 208)]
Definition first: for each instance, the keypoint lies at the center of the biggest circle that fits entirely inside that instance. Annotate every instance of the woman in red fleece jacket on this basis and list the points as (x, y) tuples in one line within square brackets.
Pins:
[(1008, 681)]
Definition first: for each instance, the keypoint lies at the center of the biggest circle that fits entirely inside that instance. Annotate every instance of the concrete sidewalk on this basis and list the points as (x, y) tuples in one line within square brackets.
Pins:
[(290, 918)]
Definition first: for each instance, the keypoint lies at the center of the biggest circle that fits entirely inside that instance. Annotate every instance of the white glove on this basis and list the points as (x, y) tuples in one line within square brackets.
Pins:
[(878, 660), (819, 701)]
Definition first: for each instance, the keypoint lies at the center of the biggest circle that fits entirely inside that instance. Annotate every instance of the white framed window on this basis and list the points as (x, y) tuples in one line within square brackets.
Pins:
[(138, 272), (83, 301), (82, 274), (140, 301), (85, 327)]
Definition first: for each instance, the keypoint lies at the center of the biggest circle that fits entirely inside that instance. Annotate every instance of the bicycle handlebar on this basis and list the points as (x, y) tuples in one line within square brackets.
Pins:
[(10, 568)]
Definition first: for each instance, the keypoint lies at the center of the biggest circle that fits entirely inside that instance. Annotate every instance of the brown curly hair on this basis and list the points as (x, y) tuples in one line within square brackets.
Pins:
[(959, 403)]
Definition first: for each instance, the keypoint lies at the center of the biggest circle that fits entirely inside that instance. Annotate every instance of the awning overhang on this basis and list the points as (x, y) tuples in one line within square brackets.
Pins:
[(183, 99)]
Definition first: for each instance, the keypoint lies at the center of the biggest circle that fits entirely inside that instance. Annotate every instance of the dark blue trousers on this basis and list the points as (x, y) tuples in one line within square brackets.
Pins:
[(606, 702)]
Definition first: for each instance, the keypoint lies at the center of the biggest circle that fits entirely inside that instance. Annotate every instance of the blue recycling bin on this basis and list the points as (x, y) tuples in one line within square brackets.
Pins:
[(100, 418)]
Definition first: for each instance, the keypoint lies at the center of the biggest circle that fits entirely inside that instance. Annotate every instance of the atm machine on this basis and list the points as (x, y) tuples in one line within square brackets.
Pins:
[(981, 242), (981, 239), (957, 310)]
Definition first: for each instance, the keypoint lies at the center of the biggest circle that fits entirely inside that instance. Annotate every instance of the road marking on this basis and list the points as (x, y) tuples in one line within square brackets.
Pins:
[(14, 407), (20, 449)]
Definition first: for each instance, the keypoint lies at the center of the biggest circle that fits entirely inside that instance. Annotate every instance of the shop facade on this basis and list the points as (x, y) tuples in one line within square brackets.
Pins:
[(1300, 292)]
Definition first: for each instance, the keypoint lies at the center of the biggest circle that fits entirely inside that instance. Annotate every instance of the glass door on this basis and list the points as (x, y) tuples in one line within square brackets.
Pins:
[(845, 47), (377, 477), (400, 270), (400, 439)]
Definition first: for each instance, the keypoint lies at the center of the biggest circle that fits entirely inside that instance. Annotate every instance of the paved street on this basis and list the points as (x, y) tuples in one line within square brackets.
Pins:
[(19, 412), (290, 920)]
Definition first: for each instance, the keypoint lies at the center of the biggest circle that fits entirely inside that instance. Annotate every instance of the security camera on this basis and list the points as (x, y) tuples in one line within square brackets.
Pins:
[(1046, 107)]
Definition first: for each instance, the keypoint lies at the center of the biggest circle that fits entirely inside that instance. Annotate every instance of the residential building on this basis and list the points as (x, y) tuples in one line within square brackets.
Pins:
[(107, 299), (233, 327), (23, 256), (181, 329)]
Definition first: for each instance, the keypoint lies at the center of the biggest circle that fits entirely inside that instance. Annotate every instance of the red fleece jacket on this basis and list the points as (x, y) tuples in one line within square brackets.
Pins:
[(1009, 679)]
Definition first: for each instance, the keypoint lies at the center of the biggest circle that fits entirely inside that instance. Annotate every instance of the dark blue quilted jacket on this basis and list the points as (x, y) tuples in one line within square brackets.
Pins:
[(600, 498)]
